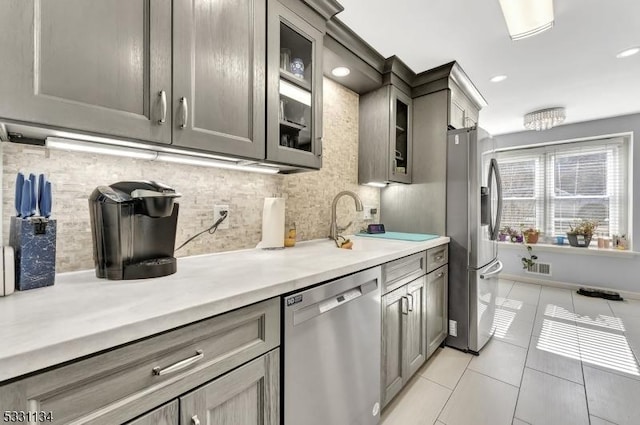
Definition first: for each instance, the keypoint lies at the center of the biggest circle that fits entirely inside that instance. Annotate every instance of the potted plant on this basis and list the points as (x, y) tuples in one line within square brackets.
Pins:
[(531, 235), (511, 234), (580, 233), (504, 234), (530, 260)]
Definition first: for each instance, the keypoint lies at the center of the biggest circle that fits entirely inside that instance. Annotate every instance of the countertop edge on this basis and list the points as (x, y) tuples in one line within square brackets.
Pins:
[(17, 365)]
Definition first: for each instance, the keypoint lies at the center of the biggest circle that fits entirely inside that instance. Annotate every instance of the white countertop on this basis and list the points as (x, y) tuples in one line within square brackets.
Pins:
[(82, 314)]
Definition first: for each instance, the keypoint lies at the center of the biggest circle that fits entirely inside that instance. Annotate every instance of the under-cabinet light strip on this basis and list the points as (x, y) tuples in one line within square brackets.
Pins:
[(173, 155)]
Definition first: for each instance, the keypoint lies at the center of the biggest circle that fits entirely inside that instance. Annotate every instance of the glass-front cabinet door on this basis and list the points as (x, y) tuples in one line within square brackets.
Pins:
[(294, 99), (400, 137)]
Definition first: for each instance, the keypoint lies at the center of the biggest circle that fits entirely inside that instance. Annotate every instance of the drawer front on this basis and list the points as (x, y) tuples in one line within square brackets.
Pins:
[(398, 272), (123, 383), (437, 257)]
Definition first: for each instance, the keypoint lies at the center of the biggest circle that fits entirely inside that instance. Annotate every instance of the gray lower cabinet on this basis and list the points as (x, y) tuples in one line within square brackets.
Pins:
[(394, 309), (219, 72), (102, 66), (437, 310), (124, 383), (166, 414), (403, 336), (249, 395), (416, 344)]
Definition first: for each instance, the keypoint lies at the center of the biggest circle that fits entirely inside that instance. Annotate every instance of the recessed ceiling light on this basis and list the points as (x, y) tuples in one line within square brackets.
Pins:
[(628, 52), (341, 71), (498, 78)]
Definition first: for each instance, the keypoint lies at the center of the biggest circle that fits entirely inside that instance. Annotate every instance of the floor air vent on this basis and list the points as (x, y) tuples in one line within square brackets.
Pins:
[(540, 268)]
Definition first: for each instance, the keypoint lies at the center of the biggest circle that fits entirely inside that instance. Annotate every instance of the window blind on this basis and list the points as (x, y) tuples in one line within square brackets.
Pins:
[(551, 187)]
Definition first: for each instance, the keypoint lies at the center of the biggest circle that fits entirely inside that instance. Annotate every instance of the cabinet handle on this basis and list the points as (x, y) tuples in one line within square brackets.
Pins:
[(319, 147), (440, 257), (410, 296), (185, 112), (404, 305), (195, 420), (163, 107), (179, 365), (440, 275)]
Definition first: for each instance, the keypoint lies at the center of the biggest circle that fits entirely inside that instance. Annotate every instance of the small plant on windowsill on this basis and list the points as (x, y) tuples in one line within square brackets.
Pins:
[(580, 233), (531, 235), (510, 234)]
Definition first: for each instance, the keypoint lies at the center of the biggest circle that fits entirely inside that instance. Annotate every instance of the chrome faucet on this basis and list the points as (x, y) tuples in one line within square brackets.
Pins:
[(335, 230)]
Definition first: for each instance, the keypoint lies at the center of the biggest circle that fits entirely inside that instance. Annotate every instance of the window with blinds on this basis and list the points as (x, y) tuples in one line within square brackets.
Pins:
[(553, 186)]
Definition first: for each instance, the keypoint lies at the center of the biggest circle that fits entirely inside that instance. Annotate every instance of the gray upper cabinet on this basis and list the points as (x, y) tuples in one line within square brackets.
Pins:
[(294, 89), (219, 53), (250, 395), (462, 112), (102, 66), (386, 141)]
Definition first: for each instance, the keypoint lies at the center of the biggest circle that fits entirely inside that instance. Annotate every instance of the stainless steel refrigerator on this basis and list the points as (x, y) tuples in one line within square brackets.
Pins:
[(474, 208)]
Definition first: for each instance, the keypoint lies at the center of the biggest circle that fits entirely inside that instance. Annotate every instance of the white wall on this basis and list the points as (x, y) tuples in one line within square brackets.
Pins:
[(603, 271)]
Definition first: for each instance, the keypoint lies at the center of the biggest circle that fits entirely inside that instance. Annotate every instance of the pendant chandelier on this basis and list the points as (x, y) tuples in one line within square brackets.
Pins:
[(544, 119)]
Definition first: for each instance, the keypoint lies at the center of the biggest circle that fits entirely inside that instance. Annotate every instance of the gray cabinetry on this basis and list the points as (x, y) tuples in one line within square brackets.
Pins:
[(462, 111), (102, 66), (249, 395), (416, 344), (294, 88), (437, 310), (386, 142), (394, 309), (219, 76), (163, 415), (123, 383)]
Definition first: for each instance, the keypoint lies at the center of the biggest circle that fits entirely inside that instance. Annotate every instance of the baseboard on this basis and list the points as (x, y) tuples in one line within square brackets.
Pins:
[(565, 285)]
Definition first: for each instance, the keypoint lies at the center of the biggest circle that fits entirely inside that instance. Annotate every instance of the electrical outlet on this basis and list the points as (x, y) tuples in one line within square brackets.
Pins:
[(367, 213), (217, 213)]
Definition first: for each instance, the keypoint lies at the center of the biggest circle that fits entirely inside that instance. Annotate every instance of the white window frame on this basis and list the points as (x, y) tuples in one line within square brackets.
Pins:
[(620, 202)]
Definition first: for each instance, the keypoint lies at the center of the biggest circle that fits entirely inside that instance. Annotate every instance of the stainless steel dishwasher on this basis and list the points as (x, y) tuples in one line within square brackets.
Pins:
[(331, 361)]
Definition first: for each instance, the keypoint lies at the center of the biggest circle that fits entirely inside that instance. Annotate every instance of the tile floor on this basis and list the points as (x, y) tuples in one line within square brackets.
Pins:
[(557, 358)]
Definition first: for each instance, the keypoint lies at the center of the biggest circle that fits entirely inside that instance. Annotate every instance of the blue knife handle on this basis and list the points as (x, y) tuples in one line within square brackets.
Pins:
[(47, 201), (34, 198), (25, 206), (41, 183), (18, 192)]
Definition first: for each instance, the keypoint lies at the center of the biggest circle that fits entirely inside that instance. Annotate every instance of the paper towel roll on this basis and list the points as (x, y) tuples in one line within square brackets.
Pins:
[(272, 224)]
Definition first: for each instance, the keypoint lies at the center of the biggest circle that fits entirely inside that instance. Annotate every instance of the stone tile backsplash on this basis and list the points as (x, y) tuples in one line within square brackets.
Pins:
[(308, 195)]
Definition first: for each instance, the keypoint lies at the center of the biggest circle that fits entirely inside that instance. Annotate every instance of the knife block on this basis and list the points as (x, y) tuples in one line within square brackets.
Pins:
[(34, 243)]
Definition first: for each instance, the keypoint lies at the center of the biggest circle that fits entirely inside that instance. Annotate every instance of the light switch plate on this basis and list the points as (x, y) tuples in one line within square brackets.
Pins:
[(366, 213)]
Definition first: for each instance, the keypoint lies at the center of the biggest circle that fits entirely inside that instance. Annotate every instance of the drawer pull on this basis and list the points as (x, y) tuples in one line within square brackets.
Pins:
[(195, 420), (179, 365), (440, 275), (440, 257)]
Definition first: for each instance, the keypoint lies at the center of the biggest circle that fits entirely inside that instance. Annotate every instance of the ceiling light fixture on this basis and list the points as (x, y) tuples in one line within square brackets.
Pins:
[(340, 71), (526, 18), (628, 52), (544, 119), (498, 78)]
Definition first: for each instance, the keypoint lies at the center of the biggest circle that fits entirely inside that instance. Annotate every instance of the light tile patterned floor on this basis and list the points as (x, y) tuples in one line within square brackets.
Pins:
[(557, 358)]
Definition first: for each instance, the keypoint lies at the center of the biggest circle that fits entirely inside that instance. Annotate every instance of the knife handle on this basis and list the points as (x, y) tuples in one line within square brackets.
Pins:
[(25, 206)]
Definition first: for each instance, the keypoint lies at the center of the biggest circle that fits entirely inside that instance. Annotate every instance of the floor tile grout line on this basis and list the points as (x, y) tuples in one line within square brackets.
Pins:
[(586, 398), (491, 377), (602, 419)]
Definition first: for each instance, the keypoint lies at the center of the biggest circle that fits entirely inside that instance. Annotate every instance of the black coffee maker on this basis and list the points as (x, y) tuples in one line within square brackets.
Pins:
[(133, 225)]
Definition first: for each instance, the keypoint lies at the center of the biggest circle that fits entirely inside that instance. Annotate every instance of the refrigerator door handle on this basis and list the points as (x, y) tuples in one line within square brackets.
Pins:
[(494, 221), (493, 273)]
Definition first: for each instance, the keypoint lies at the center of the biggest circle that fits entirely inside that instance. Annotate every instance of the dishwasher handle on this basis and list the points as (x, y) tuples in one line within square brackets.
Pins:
[(333, 302)]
